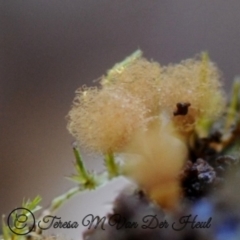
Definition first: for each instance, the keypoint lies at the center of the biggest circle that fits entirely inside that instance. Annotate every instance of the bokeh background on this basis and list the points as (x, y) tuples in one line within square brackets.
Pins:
[(49, 48)]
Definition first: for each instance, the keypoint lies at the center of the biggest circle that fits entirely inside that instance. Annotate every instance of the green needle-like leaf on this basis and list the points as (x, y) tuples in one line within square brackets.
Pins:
[(111, 165)]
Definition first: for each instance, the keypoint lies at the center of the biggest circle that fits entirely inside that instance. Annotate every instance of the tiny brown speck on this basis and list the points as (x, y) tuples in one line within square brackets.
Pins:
[(182, 109)]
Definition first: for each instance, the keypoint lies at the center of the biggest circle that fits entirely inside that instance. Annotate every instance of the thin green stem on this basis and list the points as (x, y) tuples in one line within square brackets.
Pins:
[(58, 202), (80, 164), (204, 70), (112, 166), (233, 106), (119, 67)]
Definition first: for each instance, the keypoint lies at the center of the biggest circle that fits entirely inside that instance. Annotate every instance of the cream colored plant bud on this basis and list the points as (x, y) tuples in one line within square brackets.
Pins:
[(138, 76), (194, 81), (105, 120), (154, 160)]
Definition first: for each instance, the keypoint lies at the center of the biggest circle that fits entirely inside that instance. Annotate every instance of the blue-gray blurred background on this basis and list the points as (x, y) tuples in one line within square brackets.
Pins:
[(49, 48)]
